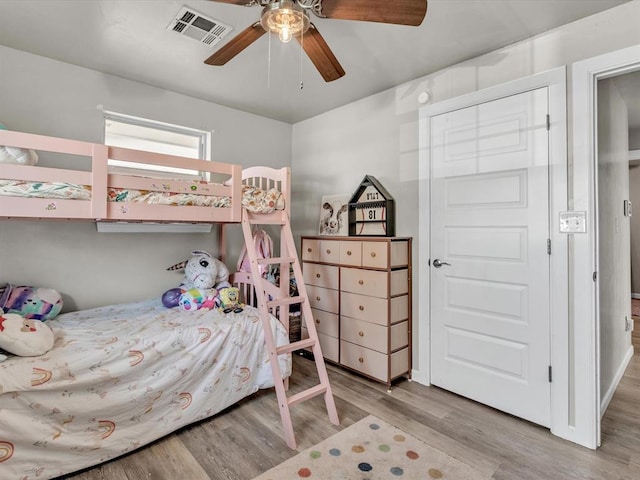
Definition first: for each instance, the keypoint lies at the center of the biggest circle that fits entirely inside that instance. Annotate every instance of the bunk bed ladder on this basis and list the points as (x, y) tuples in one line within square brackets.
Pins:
[(288, 258)]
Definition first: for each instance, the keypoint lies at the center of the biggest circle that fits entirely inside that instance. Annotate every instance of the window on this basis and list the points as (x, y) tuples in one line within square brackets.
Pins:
[(142, 134)]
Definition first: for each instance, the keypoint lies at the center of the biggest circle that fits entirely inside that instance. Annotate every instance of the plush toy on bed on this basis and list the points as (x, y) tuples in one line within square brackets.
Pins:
[(30, 302), (17, 155), (197, 298), (23, 336), (204, 275), (229, 300)]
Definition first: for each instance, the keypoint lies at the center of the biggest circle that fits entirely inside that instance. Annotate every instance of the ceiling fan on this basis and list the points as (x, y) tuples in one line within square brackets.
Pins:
[(290, 19)]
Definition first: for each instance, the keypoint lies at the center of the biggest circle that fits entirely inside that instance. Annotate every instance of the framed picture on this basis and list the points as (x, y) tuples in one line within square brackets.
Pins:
[(334, 215)]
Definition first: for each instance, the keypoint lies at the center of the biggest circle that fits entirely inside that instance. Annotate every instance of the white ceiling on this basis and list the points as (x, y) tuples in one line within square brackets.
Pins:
[(129, 38)]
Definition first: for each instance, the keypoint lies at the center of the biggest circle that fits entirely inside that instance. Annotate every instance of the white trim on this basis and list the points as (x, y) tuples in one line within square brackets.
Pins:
[(418, 376), (635, 295), (616, 380), (555, 80), (583, 262), (634, 155), (423, 373)]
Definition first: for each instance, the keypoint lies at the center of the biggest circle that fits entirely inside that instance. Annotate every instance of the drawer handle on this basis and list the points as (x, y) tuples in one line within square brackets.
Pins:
[(309, 250), (328, 251), (318, 298), (361, 282), (373, 254), (317, 275), (348, 252), (361, 333), (318, 321), (361, 307), (361, 360)]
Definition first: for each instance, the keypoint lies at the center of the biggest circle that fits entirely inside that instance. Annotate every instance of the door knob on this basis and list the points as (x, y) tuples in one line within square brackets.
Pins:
[(437, 263)]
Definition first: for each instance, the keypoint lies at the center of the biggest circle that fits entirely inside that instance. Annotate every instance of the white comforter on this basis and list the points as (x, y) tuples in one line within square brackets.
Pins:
[(122, 376)]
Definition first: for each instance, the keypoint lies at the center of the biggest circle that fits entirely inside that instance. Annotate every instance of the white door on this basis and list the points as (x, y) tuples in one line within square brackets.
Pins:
[(490, 304)]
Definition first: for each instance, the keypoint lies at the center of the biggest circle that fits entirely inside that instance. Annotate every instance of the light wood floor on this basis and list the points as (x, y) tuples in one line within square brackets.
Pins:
[(245, 440)]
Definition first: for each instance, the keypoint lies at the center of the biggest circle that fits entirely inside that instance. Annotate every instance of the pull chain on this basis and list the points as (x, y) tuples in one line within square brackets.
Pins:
[(301, 58)]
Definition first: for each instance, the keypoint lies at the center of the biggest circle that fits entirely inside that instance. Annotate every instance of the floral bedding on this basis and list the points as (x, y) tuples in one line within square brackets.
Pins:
[(58, 190), (254, 199), (119, 377)]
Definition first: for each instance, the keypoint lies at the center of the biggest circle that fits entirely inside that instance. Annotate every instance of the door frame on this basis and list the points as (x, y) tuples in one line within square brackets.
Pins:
[(555, 81), (586, 338)]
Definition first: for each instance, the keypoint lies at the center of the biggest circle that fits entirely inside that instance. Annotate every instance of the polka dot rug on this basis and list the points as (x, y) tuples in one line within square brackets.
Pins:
[(372, 450)]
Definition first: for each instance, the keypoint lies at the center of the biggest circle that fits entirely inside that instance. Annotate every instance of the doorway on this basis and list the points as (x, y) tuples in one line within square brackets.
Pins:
[(618, 114), (585, 328)]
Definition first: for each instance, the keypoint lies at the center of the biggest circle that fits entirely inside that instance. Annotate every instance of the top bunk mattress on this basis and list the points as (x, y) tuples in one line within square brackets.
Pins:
[(254, 199)]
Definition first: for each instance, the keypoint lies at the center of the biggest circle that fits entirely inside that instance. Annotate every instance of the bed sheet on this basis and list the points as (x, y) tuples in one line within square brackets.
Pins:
[(254, 199), (122, 376)]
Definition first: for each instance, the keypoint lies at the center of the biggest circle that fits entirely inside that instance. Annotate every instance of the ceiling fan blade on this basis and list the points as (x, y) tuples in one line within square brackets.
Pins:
[(320, 54), (236, 45), (237, 2), (399, 12)]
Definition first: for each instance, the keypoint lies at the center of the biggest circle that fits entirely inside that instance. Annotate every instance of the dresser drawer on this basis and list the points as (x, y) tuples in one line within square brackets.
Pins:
[(323, 298), (351, 253), (373, 336), (399, 335), (329, 345), (385, 255), (399, 309), (325, 322), (374, 254), (362, 307), (320, 275), (375, 364), (363, 333), (310, 250), (399, 282), (330, 251), (365, 282)]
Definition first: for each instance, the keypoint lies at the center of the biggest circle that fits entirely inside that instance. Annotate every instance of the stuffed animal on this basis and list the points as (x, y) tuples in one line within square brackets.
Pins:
[(17, 155), (196, 298), (201, 272), (23, 336), (30, 302), (228, 300)]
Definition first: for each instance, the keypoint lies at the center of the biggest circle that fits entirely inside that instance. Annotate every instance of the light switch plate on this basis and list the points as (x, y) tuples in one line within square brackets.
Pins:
[(573, 222)]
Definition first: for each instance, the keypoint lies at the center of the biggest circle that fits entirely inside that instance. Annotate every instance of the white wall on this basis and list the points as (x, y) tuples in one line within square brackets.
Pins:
[(44, 96), (614, 233), (379, 134)]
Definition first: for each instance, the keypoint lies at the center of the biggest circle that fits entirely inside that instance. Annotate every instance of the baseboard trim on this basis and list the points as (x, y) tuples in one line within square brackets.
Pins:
[(612, 388), (635, 295), (417, 376)]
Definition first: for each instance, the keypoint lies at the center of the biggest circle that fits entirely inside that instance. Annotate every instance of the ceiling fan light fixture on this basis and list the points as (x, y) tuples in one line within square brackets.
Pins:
[(286, 19)]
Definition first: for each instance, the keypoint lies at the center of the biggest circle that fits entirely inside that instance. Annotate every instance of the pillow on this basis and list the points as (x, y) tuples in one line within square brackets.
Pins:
[(24, 337), (30, 302), (21, 156)]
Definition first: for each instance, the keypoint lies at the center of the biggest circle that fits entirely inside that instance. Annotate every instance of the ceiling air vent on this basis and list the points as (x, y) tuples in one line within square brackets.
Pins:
[(199, 27)]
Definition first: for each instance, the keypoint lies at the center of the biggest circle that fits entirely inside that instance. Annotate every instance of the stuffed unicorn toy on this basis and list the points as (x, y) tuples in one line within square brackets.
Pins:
[(204, 275)]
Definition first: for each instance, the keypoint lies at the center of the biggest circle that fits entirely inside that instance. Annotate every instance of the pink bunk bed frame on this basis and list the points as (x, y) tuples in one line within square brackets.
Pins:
[(100, 180), (92, 171)]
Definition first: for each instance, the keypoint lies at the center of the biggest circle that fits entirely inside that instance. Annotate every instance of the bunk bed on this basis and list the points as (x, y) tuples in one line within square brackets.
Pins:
[(121, 376)]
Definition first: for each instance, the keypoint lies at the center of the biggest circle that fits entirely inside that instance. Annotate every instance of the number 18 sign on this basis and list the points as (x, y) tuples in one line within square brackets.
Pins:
[(371, 210)]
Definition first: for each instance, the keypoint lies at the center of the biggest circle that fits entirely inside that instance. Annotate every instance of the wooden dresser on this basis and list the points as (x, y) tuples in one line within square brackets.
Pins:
[(360, 294)]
